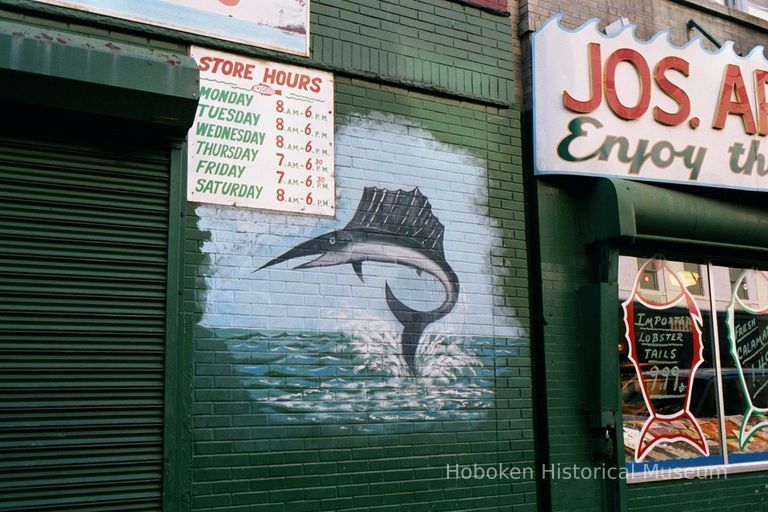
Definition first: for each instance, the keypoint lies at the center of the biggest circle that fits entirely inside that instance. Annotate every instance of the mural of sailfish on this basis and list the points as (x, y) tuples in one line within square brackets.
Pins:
[(389, 227)]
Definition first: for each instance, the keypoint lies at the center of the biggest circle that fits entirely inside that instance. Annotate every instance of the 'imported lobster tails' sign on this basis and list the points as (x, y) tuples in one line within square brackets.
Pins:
[(665, 347), (617, 106)]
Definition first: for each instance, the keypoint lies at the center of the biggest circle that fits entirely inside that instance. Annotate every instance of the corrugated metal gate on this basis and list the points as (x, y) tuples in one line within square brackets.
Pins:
[(83, 263)]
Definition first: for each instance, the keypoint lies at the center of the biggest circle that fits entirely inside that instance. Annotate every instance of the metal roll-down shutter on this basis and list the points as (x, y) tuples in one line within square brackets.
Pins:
[(83, 268)]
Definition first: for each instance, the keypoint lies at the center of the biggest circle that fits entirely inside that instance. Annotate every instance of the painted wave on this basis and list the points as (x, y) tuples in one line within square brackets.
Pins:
[(312, 378)]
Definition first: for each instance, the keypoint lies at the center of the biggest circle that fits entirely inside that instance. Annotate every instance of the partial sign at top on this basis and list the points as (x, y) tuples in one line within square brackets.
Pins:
[(281, 25), (649, 110)]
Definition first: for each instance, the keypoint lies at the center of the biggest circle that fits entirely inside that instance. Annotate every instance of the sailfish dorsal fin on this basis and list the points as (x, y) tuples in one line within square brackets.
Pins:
[(401, 213)]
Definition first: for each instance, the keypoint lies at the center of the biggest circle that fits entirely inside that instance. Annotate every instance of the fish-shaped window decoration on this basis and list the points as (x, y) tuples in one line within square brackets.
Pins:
[(748, 335), (665, 348), (389, 226)]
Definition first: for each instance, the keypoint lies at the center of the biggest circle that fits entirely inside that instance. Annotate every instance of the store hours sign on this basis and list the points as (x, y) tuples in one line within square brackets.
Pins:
[(620, 107), (263, 135)]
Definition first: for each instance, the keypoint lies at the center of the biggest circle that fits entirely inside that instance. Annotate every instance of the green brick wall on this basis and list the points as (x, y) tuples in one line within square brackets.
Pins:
[(565, 268), (247, 459), (280, 414), (732, 493), (421, 95), (435, 43)]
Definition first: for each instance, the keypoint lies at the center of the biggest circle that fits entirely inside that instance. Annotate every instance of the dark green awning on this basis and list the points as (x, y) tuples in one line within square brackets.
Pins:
[(63, 70), (634, 211)]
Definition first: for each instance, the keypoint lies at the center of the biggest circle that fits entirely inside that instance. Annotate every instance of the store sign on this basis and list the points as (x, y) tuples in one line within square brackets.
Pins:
[(620, 107), (281, 25), (263, 135)]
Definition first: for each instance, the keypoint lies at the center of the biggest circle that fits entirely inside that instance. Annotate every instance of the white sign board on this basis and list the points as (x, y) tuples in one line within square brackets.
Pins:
[(648, 110), (281, 25), (263, 135)]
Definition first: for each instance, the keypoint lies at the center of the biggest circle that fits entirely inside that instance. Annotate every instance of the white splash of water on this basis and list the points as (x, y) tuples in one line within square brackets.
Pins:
[(440, 358)]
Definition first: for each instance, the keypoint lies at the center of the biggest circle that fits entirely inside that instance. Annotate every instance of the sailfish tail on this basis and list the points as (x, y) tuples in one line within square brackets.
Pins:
[(414, 322), (407, 315), (410, 343)]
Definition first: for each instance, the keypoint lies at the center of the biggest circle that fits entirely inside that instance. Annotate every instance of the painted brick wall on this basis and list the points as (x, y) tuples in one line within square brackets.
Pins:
[(297, 405), (302, 398), (435, 43), (564, 266)]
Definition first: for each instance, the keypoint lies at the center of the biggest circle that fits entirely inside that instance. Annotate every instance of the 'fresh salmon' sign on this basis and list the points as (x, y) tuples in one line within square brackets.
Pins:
[(649, 110)]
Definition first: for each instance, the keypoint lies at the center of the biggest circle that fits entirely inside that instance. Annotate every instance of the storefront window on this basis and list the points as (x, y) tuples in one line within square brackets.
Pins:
[(694, 387), (667, 371), (649, 275), (744, 349), (691, 278), (742, 288), (757, 8)]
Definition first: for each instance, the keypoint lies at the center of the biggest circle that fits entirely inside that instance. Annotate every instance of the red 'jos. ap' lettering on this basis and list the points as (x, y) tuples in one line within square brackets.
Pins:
[(603, 84), (734, 100), (733, 87), (643, 72), (671, 90)]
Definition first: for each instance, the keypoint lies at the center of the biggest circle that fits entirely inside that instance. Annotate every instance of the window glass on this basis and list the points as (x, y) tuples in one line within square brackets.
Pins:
[(742, 311), (668, 378), (740, 285), (691, 275), (649, 275), (757, 8)]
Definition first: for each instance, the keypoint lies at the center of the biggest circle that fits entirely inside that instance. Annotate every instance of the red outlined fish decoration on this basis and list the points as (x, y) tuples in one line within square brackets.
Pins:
[(266, 90), (665, 347)]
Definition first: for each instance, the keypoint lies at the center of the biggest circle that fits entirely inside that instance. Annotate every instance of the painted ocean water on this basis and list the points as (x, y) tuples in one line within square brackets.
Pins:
[(321, 346), (309, 378)]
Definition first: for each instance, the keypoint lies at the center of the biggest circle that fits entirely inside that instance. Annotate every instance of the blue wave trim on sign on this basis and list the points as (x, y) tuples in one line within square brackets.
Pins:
[(594, 23)]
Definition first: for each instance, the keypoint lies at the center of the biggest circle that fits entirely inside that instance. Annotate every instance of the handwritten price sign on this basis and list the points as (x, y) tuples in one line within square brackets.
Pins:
[(263, 136)]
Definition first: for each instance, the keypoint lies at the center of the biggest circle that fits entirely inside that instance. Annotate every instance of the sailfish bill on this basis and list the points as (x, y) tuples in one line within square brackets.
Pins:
[(389, 227)]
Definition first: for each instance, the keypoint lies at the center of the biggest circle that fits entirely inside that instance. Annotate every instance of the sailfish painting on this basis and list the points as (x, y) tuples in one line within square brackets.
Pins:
[(395, 227)]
